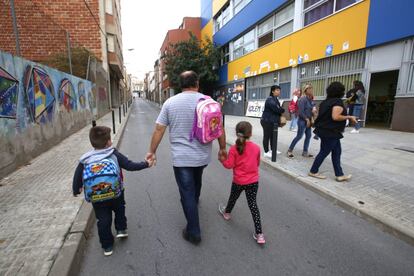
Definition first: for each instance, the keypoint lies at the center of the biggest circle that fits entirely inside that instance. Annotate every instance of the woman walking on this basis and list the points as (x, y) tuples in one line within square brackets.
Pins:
[(305, 108), (329, 126), (270, 117), (293, 109), (359, 104)]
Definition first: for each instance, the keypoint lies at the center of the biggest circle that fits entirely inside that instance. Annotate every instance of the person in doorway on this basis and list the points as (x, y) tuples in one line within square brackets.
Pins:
[(329, 126), (271, 118), (350, 99), (359, 104), (244, 159), (305, 108), (293, 109), (189, 157)]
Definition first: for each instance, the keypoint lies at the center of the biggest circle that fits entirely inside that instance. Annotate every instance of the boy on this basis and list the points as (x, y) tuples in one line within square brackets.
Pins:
[(99, 172)]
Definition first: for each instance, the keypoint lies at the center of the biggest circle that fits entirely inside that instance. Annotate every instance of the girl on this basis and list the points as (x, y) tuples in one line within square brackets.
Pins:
[(244, 159)]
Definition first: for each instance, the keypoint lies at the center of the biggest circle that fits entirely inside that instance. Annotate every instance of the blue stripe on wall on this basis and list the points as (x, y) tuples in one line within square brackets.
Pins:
[(390, 20), (206, 12), (246, 18), (223, 74)]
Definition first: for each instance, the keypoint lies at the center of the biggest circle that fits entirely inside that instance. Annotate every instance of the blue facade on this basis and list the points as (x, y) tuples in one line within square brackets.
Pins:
[(390, 20), (246, 18), (223, 70), (206, 12)]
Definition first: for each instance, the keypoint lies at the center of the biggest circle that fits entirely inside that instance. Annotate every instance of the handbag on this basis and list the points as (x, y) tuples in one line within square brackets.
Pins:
[(282, 121)]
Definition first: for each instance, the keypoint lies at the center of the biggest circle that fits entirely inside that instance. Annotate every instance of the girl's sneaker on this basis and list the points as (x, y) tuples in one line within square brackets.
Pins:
[(222, 211), (260, 239)]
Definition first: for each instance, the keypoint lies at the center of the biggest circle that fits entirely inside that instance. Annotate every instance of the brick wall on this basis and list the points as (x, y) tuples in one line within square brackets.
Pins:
[(43, 23)]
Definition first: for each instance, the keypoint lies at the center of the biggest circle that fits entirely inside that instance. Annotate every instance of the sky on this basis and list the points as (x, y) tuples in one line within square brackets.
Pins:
[(144, 26)]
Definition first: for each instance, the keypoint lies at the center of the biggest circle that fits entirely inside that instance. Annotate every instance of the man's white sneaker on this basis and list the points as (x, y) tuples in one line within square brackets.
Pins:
[(354, 131)]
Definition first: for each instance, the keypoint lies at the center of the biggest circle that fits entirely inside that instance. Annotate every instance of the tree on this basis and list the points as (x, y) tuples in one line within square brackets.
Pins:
[(200, 57)]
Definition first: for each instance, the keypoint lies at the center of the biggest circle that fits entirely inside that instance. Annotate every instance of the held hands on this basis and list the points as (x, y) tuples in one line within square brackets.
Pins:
[(151, 158), (308, 123), (222, 155)]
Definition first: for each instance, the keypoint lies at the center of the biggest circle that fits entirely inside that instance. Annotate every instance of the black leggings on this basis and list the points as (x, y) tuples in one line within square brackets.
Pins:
[(251, 193)]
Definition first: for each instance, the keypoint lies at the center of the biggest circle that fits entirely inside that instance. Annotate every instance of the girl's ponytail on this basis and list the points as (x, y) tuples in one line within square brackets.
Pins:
[(243, 131)]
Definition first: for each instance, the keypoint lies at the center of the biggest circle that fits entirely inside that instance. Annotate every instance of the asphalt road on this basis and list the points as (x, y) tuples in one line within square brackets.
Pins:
[(305, 234)]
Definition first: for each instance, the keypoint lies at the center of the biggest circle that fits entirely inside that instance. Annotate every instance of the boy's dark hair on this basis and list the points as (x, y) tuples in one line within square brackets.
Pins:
[(99, 136), (188, 79), (244, 132), (335, 90), (273, 88)]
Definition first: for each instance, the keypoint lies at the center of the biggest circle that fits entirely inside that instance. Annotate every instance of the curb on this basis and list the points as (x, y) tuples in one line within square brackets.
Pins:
[(69, 258), (388, 225)]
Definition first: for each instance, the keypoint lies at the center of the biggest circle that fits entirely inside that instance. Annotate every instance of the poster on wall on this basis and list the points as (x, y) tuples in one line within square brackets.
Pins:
[(256, 108)]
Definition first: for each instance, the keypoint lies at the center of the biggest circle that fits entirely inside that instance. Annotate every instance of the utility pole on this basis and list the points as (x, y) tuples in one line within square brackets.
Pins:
[(15, 29)]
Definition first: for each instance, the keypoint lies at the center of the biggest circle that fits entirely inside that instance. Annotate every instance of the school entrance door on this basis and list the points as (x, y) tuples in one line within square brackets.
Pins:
[(382, 91)]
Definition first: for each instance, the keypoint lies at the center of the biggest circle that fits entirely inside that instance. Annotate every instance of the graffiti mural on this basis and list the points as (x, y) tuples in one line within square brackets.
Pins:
[(82, 96), (67, 96), (40, 99), (9, 87), (92, 101)]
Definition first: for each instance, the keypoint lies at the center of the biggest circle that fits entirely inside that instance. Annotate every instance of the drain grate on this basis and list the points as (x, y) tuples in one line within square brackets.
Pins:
[(407, 149)]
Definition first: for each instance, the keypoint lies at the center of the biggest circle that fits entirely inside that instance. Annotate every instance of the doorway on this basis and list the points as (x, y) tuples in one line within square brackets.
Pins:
[(382, 90)]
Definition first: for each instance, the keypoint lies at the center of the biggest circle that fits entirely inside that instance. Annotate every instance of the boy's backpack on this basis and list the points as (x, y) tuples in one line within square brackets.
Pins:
[(293, 106), (208, 118), (102, 180)]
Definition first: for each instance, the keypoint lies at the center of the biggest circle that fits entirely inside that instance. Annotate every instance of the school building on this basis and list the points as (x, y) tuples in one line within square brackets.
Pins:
[(293, 42)]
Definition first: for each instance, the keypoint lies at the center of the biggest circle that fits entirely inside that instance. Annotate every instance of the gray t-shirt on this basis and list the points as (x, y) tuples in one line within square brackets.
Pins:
[(178, 114)]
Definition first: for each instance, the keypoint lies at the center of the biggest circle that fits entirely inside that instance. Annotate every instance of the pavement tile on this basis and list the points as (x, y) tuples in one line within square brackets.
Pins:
[(37, 207)]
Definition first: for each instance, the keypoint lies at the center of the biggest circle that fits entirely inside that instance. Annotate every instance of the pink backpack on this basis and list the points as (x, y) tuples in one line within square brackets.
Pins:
[(208, 118)]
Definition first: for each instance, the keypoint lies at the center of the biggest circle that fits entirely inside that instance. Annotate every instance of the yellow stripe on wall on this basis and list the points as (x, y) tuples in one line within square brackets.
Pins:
[(207, 31), (217, 5), (345, 31)]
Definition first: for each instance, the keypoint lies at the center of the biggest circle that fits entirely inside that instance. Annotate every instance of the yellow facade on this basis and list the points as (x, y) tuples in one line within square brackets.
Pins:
[(207, 31), (217, 5), (345, 31)]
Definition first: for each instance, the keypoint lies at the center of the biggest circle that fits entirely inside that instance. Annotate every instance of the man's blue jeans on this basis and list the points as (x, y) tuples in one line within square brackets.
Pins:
[(302, 129), (329, 145), (189, 180)]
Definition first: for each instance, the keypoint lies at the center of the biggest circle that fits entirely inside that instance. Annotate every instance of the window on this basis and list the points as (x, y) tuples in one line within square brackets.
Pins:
[(109, 7), (411, 78), (239, 5), (244, 44), (222, 18), (315, 10), (225, 54), (111, 43), (276, 26), (258, 87)]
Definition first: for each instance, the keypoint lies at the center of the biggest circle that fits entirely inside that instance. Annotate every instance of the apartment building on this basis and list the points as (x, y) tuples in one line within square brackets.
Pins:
[(48, 27), (291, 43)]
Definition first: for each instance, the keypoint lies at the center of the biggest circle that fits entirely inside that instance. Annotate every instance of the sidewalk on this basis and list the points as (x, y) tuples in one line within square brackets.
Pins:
[(38, 209), (382, 187)]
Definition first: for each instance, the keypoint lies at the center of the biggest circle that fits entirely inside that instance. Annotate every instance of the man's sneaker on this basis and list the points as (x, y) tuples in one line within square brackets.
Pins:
[(190, 238), (354, 131), (260, 239), (222, 211), (317, 175), (268, 154), (121, 234), (343, 178), (108, 251)]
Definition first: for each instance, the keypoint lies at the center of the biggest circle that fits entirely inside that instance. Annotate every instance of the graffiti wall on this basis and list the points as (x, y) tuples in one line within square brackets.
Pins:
[(39, 107)]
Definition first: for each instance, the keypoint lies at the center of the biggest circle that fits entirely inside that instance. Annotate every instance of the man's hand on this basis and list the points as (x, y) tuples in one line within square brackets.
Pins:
[(222, 155), (151, 158)]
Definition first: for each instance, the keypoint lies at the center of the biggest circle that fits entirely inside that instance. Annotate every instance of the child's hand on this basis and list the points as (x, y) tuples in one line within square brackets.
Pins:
[(150, 162)]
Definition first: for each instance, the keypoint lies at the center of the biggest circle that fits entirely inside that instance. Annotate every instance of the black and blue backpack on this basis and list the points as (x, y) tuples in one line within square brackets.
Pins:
[(102, 180)]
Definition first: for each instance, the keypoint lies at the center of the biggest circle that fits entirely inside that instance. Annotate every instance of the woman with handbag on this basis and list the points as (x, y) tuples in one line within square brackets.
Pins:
[(272, 114), (329, 126), (305, 113)]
